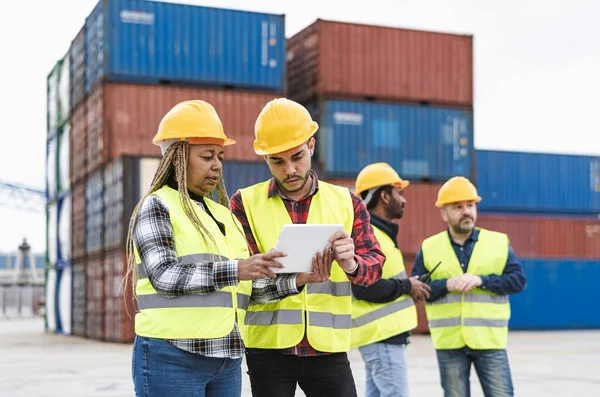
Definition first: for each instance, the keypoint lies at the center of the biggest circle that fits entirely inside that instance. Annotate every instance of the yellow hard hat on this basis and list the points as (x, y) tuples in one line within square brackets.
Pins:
[(455, 190), (376, 175), (282, 125), (196, 121)]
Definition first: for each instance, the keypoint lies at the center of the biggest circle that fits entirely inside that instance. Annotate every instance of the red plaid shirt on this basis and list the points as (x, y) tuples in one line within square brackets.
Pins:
[(368, 254)]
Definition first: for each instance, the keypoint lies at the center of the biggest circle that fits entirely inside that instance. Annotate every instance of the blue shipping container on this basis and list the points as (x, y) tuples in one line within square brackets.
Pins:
[(535, 182), (241, 174), (94, 212), (77, 65), (419, 142), (154, 42), (543, 304)]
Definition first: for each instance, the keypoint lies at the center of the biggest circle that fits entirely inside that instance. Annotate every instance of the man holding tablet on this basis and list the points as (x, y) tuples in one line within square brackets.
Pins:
[(303, 339)]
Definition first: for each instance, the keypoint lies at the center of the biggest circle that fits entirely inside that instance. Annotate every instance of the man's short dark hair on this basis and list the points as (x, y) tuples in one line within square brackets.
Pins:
[(373, 203)]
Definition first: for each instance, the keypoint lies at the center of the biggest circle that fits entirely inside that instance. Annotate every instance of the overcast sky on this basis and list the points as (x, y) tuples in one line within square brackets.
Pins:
[(537, 73)]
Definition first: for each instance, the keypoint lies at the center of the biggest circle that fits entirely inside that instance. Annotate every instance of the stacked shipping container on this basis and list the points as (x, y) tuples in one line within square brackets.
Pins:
[(549, 205), (384, 94), (127, 67)]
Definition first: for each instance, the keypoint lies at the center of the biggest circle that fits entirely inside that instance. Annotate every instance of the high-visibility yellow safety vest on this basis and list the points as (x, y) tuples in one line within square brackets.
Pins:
[(374, 322), (194, 316), (478, 319), (327, 305)]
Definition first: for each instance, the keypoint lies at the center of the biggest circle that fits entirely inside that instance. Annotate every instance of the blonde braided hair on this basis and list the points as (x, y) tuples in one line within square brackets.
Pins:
[(174, 161)]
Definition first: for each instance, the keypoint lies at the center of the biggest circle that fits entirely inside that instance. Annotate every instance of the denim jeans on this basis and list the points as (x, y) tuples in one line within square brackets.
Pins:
[(274, 374), (387, 372), (160, 369), (491, 366)]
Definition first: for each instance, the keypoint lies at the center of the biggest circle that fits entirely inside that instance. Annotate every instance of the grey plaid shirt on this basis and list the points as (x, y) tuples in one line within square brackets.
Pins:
[(153, 237)]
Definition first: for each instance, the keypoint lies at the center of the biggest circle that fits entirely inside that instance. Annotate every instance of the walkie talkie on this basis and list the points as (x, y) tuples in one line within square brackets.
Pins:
[(427, 276)]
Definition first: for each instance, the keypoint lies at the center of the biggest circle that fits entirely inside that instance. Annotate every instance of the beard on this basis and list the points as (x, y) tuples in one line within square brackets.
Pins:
[(461, 228), (398, 213), (300, 186)]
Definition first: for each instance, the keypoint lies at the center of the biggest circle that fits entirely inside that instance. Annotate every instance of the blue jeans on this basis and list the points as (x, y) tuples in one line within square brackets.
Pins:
[(491, 367), (386, 368), (160, 369)]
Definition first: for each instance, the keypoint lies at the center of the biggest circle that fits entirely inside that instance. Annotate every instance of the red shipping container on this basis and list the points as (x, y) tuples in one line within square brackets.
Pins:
[(78, 143), (545, 237), (338, 59), (523, 232), (421, 217), (78, 220), (95, 141), (95, 298), (120, 308), (349, 183), (123, 118)]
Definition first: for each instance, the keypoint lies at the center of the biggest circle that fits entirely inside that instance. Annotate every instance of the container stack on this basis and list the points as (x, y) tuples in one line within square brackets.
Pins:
[(400, 96), (131, 62), (549, 205)]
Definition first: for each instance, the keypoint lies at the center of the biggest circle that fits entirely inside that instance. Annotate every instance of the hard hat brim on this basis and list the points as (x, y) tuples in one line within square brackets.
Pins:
[(401, 185), (200, 141), (440, 204)]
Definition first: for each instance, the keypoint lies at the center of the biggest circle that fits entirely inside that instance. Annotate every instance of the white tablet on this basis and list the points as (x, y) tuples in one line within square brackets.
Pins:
[(301, 242)]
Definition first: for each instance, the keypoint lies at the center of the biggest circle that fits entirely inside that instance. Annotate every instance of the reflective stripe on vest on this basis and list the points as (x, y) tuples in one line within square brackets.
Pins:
[(281, 324), (374, 322), (196, 316), (478, 319)]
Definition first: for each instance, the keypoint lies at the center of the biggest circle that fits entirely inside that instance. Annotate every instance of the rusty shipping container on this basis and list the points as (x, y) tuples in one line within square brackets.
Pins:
[(78, 221), (123, 118), (95, 297), (78, 143), (547, 237), (119, 306), (338, 59), (78, 302)]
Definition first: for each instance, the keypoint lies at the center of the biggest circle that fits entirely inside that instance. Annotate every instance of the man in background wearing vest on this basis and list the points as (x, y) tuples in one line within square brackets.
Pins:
[(468, 308), (304, 339), (384, 313)]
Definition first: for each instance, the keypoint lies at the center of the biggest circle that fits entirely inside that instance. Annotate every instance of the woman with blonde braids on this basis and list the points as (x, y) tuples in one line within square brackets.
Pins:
[(190, 268)]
